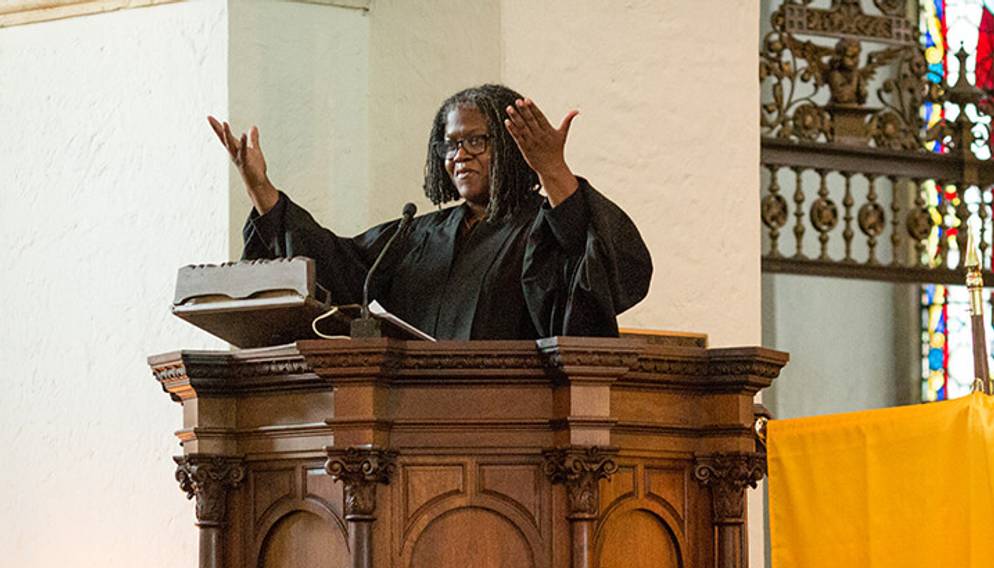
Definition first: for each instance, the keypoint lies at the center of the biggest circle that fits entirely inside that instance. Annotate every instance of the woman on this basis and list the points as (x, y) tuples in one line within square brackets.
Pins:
[(507, 263)]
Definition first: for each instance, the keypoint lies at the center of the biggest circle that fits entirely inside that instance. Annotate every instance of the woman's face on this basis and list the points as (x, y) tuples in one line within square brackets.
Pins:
[(470, 174)]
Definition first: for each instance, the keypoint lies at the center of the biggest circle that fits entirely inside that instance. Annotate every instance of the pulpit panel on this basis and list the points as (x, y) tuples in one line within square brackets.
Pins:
[(471, 536), (645, 507), (461, 511), (303, 540), (638, 539), (289, 514)]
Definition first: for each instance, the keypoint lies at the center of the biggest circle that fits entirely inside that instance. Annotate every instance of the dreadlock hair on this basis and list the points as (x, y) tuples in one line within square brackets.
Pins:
[(511, 179)]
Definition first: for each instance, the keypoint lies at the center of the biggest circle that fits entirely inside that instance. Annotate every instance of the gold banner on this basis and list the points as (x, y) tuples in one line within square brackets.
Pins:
[(900, 487)]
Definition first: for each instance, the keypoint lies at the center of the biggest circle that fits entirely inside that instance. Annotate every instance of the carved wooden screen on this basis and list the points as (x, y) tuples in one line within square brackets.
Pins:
[(876, 152)]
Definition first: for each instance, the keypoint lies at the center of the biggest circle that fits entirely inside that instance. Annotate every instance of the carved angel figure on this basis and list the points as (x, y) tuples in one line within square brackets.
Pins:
[(844, 77)]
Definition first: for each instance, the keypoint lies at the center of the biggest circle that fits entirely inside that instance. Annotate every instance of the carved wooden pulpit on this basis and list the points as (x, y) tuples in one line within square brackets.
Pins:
[(566, 451)]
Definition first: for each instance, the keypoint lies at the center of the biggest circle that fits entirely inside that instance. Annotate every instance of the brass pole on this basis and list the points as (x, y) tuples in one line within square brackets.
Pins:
[(975, 284)]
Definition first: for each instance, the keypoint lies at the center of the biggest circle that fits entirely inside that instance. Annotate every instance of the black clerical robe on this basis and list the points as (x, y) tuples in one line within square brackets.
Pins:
[(544, 271)]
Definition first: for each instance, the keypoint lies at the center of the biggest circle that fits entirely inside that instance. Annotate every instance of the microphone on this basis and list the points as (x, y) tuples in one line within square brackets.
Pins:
[(366, 326)]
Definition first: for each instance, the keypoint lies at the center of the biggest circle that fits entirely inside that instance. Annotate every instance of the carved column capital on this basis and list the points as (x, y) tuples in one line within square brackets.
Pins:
[(360, 469), (580, 469), (208, 478), (728, 475)]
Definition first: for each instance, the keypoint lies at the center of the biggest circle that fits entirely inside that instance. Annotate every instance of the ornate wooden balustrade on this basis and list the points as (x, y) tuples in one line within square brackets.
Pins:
[(851, 187), (575, 452)]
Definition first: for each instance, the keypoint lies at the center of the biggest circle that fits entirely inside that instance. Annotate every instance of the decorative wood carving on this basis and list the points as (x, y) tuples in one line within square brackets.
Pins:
[(248, 369), (474, 361), (188, 374), (742, 368), (360, 470), (580, 470), (847, 17), (659, 365), (208, 478), (728, 476), (181, 373), (558, 359), (378, 360), (226, 368), (388, 357), (473, 442)]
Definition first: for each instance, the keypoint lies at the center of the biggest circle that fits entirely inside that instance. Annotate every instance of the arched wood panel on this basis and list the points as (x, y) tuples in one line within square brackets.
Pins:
[(303, 540), (638, 538), (489, 512), (297, 517), (471, 536)]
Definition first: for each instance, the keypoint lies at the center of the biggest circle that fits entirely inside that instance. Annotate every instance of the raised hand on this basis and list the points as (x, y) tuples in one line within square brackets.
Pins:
[(247, 156), (543, 147)]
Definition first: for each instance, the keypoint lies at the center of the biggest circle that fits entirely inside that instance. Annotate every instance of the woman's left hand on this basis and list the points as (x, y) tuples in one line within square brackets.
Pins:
[(542, 147)]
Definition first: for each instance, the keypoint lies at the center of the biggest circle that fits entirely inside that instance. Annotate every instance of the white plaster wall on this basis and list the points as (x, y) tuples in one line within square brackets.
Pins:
[(107, 186), (668, 128), (420, 54), (301, 73), (344, 97), (851, 343)]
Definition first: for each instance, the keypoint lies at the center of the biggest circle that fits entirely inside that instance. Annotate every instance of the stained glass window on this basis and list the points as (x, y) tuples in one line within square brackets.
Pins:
[(947, 353), (933, 35)]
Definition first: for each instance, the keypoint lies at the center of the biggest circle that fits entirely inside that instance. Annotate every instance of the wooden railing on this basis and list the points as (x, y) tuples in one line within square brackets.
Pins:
[(853, 212), (850, 187)]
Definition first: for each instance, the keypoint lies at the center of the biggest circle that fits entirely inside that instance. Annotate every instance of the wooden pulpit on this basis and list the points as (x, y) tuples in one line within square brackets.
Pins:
[(561, 452)]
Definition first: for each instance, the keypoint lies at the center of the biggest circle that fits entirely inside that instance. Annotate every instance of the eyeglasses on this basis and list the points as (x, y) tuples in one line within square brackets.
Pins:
[(474, 146)]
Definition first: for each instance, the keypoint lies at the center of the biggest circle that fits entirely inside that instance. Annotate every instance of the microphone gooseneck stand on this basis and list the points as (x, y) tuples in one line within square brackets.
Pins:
[(366, 325)]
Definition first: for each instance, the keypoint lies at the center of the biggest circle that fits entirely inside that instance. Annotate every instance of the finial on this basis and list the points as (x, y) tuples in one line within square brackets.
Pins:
[(972, 256), (962, 54), (975, 285), (963, 92)]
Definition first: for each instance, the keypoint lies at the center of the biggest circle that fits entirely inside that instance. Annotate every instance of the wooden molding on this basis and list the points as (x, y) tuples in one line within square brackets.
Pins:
[(20, 12), (565, 451)]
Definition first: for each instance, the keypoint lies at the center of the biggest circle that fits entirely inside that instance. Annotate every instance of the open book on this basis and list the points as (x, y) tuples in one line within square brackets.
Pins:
[(378, 311)]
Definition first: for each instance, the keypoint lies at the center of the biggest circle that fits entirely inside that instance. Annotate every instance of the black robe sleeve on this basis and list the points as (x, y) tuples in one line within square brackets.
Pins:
[(585, 263), (341, 263)]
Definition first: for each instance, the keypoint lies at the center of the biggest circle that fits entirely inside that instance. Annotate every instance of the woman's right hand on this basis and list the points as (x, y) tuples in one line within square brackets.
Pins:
[(247, 156)]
